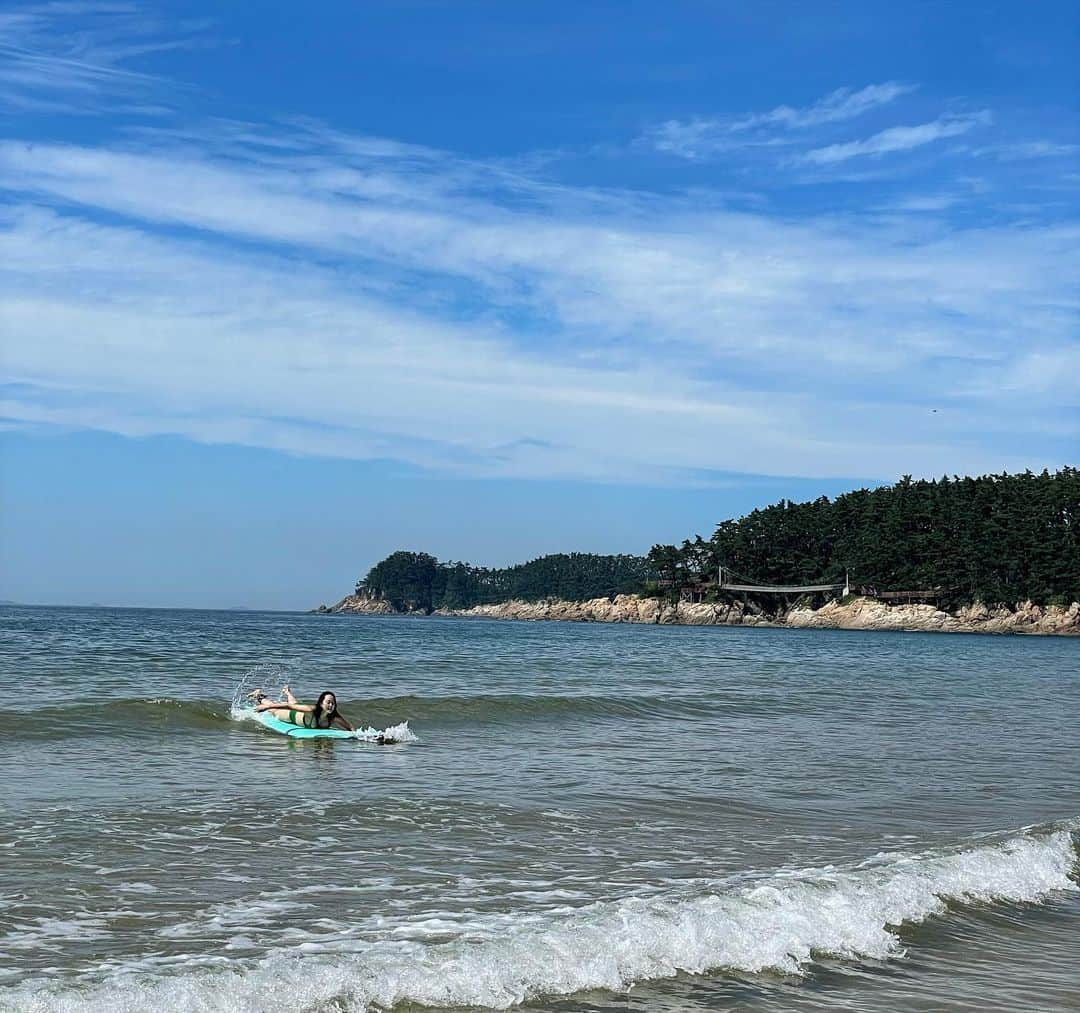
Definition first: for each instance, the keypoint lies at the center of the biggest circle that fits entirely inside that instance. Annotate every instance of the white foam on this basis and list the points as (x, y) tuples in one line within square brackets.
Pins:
[(32, 934), (136, 887), (395, 733), (233, 915), (499, 960)]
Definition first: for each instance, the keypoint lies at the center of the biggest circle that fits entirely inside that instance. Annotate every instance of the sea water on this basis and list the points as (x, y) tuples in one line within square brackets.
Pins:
[(590, 817)]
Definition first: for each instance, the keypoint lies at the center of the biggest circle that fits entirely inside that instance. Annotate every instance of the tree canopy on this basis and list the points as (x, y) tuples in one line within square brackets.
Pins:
[(997, 539), (416, 581)]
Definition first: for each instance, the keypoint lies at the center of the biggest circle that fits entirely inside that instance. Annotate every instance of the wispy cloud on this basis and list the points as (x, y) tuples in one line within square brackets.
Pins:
[(1023, 150), (896, 139), (842, 104), (700, 137), (294, 286), (359, 299), (76, 57)]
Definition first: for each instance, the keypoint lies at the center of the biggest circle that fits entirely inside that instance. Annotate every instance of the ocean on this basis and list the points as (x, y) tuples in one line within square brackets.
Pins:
[(590, 817)]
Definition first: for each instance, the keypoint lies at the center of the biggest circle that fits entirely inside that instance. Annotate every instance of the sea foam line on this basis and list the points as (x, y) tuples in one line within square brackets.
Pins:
[(498, 961)]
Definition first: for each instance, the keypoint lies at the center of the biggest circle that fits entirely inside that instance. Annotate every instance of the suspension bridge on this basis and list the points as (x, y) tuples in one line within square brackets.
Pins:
[(728, 580), (725, 584)]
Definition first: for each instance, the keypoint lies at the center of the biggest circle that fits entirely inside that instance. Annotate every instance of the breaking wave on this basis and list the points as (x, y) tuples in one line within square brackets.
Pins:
[(783, 923)]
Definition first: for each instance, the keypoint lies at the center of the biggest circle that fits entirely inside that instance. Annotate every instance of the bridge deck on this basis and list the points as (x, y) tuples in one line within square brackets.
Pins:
[(782, 588)]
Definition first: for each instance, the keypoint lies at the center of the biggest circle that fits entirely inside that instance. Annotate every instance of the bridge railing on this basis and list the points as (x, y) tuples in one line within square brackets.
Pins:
[(782, 588)]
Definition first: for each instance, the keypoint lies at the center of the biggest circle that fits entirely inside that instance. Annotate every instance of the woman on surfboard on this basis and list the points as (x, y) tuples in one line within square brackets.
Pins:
[(323, 714)]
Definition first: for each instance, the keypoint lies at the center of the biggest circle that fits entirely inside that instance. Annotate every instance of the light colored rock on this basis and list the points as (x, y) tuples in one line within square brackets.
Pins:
[(854, 614), (867, 614), (975, 613), (357, 604)]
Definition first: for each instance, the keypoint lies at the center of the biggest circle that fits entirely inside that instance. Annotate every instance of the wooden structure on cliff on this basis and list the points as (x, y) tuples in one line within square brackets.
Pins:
[(900, 597), (699, 590)]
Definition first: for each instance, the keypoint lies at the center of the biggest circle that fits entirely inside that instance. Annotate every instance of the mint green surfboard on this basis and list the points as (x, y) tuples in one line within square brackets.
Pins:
[(296, 732)]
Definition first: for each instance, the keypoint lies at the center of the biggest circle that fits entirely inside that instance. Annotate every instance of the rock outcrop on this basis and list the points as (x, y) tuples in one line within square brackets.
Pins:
[(852, 614), (868, 614), (623, 608), (630, 608), (358, 605)]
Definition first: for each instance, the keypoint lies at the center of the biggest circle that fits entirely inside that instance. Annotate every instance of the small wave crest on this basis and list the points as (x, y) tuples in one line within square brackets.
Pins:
[(153, 715), (150, 716), (499, 960), (132, 715), (474, 709), (515, 708)]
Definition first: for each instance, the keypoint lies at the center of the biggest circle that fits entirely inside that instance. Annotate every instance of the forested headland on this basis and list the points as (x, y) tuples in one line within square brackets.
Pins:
[(997, 539), (416, 581)]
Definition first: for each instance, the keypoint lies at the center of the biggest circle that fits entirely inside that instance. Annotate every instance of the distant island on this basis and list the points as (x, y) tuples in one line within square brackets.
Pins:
[(998, 553)]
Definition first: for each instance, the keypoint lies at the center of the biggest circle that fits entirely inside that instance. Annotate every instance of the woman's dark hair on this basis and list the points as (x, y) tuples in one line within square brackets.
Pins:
[(319, 709)]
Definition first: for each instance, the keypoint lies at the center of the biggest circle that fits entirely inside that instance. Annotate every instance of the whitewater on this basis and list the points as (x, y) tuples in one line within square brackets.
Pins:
[(579, 818)]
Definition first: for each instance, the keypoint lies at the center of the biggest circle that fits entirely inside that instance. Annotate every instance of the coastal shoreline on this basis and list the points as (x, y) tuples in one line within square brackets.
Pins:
[(857, 613)]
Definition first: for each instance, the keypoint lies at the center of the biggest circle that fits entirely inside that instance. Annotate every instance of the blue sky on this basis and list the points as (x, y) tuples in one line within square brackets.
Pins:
[(283, 289)]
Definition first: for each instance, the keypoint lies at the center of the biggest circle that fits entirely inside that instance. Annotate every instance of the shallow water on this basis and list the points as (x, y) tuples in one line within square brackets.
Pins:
[(592, 817)]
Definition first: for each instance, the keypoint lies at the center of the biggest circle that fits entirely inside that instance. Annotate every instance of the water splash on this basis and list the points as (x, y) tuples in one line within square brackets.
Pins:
[(395, 733), (257, 677)]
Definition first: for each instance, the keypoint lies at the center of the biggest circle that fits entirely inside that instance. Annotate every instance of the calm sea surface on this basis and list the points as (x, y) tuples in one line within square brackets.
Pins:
[(590, 818)]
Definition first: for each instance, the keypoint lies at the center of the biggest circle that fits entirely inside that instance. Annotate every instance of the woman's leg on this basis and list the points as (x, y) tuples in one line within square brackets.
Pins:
[(285, 710), (280, 711)]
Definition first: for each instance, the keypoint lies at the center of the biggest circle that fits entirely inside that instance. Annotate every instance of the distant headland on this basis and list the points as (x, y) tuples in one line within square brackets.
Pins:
[(995, 554)]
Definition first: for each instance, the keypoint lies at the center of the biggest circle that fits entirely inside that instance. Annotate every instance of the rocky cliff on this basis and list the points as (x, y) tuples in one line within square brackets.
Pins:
[(854, 614), (357, 605)]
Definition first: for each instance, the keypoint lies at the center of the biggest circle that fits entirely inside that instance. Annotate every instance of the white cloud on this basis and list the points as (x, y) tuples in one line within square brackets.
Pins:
[(692, 139), (897, 139), (364, 300), (924, 202), (1022, 150), (700, 137), (842, 104), (75, 57)]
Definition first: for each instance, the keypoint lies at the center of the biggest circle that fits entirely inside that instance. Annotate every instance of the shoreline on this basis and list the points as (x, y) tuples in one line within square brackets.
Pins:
[(858, 613)]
